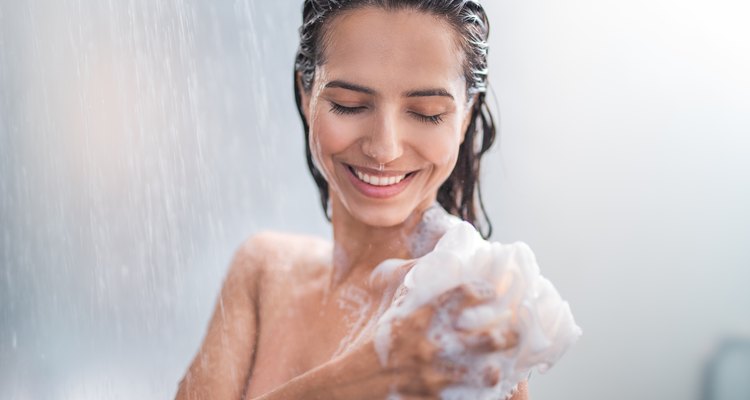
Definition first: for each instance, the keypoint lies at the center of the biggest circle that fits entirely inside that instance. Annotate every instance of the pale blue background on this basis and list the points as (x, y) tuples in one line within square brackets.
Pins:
[(141, 141)]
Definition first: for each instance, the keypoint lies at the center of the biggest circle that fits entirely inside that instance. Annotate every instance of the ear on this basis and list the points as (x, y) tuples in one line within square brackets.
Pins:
[(467, 116), (304, 97)]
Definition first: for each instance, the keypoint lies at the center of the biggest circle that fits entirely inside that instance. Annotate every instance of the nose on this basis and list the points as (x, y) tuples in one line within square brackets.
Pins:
[(384, 142)]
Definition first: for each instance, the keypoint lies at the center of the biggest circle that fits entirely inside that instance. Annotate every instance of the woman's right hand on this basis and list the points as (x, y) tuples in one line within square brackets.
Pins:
[(415, 367)]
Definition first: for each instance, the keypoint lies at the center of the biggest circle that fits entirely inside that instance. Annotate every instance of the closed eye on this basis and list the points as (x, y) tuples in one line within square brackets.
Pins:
[(434, 119), (343, 110), (339, 109)]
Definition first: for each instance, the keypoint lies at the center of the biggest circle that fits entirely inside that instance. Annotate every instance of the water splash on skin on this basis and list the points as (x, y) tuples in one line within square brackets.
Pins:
[(388, 276), (315, 147), (357, 304), (340, 259)]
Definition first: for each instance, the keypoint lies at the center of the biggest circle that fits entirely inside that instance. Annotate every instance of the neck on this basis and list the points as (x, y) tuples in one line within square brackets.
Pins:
[(359, 247)]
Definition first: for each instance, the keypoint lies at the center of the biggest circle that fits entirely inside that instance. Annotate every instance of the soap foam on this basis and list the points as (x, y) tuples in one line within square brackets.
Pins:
[(524, 303)]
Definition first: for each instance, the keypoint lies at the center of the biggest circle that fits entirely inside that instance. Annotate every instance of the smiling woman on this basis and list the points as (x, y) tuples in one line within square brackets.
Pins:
[(391, 95), (386, 108), (433, 68)]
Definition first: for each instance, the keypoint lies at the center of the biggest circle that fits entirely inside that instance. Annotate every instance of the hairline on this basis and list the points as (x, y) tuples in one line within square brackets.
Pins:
[(326, 27)]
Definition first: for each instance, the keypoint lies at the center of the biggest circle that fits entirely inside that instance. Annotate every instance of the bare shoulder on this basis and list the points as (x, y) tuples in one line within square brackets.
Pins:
[(269, 253), (268, 246), (222, 367)]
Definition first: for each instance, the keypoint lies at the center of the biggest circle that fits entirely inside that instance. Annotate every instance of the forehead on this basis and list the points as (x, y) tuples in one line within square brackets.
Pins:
[(392, 49)]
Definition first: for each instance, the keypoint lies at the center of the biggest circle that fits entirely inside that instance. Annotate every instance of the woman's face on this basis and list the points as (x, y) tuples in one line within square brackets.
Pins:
[(387, 112)]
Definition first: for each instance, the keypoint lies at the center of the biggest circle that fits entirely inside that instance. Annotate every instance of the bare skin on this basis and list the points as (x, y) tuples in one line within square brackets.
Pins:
[(294, 317), (282, 347)]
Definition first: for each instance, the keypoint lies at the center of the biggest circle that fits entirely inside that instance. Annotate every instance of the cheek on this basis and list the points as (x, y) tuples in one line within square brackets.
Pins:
[(330, 135), (440, 147)]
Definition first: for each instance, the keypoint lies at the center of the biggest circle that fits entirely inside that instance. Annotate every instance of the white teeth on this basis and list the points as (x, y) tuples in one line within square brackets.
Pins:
[(378, 181)]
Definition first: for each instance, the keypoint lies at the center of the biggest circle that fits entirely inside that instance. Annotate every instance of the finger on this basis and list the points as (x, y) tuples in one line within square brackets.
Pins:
[(415, 323), (482, 290), (411, 386), (482, 317), (431, 380), (491, 375), (420, 319), (426, 351), (435, 381), (453, 372), (466, 295), (489, 341)]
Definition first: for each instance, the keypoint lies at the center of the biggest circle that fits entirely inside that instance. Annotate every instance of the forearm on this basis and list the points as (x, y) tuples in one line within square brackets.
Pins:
[(345, 378), (310, 385)]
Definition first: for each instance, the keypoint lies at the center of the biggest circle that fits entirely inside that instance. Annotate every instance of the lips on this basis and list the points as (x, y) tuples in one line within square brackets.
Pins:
[(376, 180), (379, 184)]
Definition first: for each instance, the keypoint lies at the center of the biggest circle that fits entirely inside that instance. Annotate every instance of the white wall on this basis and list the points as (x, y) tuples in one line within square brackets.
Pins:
[(624, 163)]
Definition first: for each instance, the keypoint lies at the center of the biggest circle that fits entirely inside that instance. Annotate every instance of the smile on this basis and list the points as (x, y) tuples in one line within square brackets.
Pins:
[(378, 181), (379, 184)]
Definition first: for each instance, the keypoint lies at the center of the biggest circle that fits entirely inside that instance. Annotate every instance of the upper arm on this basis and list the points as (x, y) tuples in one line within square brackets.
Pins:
[(222, 367)]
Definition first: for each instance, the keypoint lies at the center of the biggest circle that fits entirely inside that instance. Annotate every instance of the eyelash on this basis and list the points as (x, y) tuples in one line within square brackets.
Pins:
[(434, 119), (341, 110)]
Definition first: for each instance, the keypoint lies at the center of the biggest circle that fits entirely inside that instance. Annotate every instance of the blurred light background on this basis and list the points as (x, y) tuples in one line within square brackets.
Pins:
[(142, 141)]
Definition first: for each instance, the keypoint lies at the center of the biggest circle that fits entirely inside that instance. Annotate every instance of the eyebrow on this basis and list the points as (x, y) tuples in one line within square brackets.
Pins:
[(412, 93), (428, 93), (349, 86)]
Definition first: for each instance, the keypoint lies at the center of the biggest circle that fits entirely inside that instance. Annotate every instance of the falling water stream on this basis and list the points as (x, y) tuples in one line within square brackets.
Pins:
[(131, 137)]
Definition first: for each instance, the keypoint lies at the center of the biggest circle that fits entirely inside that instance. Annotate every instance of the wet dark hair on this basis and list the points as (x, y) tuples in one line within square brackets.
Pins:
[(460, 194)]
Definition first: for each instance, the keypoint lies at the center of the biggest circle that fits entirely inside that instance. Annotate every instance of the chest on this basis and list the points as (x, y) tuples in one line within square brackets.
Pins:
[(306, 328)]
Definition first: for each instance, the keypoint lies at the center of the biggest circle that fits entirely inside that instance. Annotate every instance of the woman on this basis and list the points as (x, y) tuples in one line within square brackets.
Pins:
[(391, 95)]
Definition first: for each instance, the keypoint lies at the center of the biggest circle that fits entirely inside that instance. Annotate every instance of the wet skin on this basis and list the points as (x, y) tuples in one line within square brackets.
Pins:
[(277, 320), (391, 93)]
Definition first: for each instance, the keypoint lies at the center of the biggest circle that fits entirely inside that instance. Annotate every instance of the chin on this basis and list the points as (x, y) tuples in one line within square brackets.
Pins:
[(381, 216), (390, 214)]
